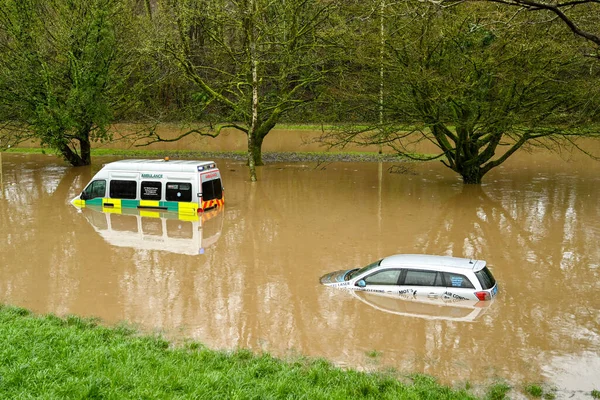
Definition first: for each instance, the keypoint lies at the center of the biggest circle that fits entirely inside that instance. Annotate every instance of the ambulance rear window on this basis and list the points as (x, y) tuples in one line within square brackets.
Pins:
[(212, 190)]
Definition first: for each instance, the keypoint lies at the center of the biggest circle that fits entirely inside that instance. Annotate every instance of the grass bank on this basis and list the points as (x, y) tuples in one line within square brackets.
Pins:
[(71, 357), (268, 157)]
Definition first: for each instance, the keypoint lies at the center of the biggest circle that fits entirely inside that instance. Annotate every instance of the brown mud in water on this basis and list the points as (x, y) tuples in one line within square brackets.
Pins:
[(253, 281)]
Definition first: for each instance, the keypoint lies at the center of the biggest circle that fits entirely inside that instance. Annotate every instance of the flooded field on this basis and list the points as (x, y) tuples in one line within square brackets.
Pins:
[(247, 276)]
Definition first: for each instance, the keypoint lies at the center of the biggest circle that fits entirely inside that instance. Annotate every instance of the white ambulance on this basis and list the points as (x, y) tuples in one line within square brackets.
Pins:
[(182, 186)]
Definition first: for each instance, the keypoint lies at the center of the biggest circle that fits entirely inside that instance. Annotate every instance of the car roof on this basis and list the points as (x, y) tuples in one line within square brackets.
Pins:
[(431, 261)]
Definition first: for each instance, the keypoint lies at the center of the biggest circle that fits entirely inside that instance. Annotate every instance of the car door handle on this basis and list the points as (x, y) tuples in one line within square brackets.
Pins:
[(432, 295)]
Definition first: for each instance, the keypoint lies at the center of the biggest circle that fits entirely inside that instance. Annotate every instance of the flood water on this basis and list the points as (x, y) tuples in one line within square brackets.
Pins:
[(247, 277)]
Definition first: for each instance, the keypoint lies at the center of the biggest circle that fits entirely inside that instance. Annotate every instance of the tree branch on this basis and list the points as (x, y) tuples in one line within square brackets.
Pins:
[(556, 8), (154, 137)]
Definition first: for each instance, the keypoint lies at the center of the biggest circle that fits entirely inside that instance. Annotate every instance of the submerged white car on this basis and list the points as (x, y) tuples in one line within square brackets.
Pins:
[(428, 278)]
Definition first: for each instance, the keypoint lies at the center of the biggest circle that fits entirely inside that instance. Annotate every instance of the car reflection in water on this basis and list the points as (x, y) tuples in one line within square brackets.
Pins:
[(442, 309), (157, 230)]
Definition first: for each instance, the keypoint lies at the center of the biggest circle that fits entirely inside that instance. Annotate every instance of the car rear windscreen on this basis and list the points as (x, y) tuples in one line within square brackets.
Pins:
[(485, 278)]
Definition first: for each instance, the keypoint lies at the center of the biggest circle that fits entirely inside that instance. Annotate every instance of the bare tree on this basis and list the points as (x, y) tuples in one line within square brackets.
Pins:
[(582, 17), (252, 61), (478, 88)]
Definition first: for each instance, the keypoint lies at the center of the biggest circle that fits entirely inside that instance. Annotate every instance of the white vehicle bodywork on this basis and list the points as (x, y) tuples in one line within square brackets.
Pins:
[(425, 278), (152, 181)]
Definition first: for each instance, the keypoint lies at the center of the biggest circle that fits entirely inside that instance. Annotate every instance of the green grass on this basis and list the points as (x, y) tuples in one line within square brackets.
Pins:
[(534, 390), (498, 391), (127, 152), (268, 157), (373, 354), (51, 357), (27, 150), (308, 127)]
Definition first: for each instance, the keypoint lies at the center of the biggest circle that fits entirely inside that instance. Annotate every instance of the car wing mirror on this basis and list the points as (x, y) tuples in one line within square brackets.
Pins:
[(361, 283), (83, 196)]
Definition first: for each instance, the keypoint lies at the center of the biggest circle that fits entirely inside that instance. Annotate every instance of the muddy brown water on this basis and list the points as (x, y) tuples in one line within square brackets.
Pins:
[(251, 279)]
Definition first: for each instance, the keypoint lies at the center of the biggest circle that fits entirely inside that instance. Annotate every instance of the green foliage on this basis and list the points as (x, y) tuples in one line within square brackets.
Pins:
[(582, 18), (64, 71), (50, 357), (476, 79), (595, 394), (472, 80)]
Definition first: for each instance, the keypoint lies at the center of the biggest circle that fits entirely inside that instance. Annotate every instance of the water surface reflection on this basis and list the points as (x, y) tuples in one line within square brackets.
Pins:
[(535, 222), (461, 311), (156, 230)]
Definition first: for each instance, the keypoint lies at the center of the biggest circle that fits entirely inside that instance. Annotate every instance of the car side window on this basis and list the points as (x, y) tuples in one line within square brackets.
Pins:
[(458, 281), (385, 277), (423, 278)]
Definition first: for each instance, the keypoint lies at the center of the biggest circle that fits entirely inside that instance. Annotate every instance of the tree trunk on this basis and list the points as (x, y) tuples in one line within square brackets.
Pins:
[(86, 151), (471, 175), (75, 159), (255, 151), (72, 158), (251, 149), (252, 145)]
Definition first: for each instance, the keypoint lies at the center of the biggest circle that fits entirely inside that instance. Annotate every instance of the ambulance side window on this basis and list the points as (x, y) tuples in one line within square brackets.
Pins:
[(151, 190), (122, 189), (94, 190), (178, 191)]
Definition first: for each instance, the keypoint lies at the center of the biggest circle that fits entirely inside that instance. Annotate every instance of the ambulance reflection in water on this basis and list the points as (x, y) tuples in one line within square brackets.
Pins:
[(155, 230)]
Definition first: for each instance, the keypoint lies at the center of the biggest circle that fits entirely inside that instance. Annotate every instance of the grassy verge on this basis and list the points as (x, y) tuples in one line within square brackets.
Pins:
[(268, 157), (51, 357)]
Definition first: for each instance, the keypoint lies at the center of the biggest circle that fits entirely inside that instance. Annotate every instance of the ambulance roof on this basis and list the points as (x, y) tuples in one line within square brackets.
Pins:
[(159, 165)]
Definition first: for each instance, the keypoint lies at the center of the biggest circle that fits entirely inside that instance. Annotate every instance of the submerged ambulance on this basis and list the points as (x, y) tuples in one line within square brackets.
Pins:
[(182, 186)]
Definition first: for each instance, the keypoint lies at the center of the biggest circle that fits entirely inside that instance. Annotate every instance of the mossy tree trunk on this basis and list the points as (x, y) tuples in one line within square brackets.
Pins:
[(75, 159)]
